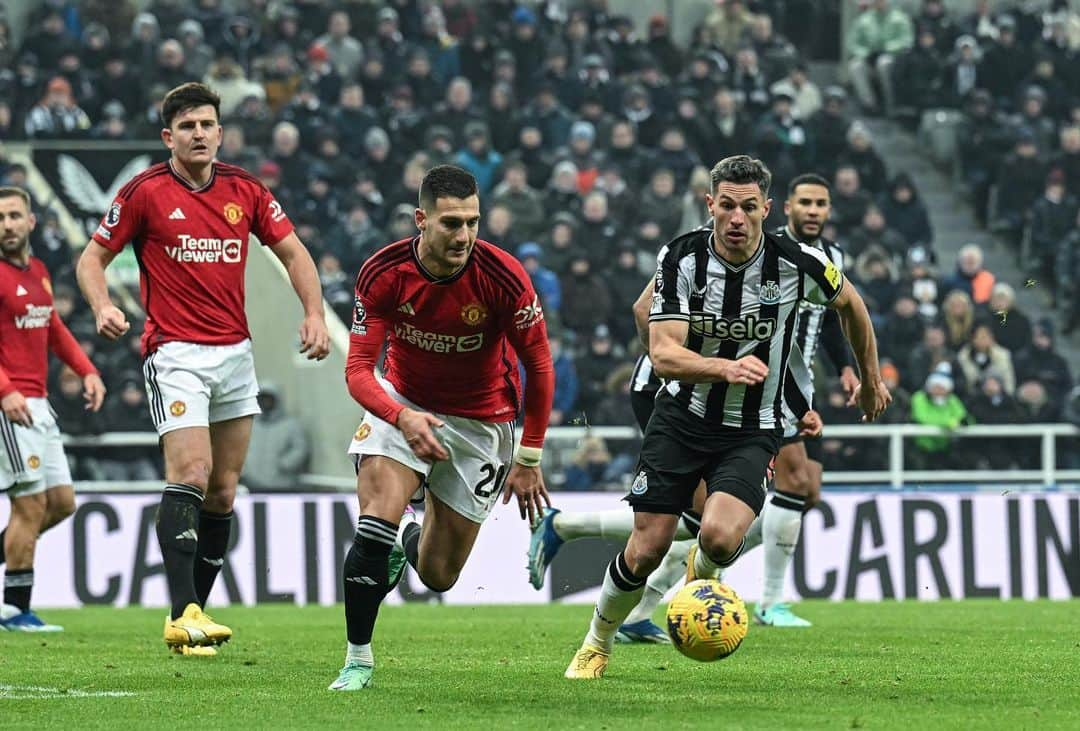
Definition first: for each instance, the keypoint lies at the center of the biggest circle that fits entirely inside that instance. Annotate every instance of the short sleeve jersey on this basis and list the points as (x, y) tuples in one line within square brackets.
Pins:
[(450, 341), (192, 247)]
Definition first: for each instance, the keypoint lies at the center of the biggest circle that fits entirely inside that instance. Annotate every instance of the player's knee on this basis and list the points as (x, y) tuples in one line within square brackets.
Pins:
[(439, 581), (644, 559), (30, 510), (195, 472), (799, 481), (719, 539), (60, 506)]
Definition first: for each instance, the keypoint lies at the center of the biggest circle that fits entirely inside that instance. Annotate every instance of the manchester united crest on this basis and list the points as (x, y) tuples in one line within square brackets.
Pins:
[(233, 213), (33, 461), (362, 432), (474, 314), (177, 408)]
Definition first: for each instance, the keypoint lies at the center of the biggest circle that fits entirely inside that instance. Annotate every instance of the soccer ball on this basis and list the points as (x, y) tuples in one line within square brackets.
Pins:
[(707, 620)]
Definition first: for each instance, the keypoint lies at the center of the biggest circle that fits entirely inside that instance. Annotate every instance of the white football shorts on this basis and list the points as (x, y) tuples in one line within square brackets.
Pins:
[(197, 385), (32, 459), (469, 483)]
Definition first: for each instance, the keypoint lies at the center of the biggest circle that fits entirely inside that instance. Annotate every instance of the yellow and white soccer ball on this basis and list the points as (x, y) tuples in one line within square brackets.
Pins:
[(707, 620)]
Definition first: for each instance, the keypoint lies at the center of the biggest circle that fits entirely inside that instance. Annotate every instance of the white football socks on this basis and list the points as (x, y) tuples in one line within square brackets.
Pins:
[(359, 654), (614, 524), (667, 575), (781, 523), (620, 593)]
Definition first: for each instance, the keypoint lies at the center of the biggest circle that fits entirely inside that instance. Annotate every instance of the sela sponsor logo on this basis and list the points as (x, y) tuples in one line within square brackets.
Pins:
[(750, 327), (192, 250), (35, 316), (529, 315), (437, 342)]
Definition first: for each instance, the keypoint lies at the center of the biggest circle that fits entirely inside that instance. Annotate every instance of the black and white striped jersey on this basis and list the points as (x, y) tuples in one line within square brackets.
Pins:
[(739, 310), (644, 378), (798, 390), (812, 315)]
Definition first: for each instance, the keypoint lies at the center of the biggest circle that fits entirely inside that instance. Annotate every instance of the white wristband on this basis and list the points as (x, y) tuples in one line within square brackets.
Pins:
[(529, 456)]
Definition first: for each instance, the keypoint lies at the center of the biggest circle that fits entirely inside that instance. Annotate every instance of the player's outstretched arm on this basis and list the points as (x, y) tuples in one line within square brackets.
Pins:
[(90, 273), (314, 337), (872, 395), (673, 361)]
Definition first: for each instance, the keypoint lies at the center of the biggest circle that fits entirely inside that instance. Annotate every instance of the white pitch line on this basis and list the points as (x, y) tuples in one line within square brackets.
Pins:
[(8, 692)]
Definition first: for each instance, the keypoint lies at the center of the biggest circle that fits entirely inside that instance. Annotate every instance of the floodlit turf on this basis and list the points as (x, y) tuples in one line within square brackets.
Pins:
[(947, 665)]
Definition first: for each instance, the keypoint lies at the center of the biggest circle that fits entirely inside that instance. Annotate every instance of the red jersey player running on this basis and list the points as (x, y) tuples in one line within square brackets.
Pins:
[(33, 466), (189, 220), (458, 313)]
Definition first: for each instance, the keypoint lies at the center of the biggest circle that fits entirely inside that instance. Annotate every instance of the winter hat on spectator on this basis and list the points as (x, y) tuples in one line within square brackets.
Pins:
[(835, 92), (593, 60), (966, 40), (504, 56), (523, 16), (565, 217), (376, 137), (889, 372), (602, 332), (269, 169), (387, 15), (530, 249), (190, 27), (317, 53), (939, 379), (582, 130), (1045, 325)]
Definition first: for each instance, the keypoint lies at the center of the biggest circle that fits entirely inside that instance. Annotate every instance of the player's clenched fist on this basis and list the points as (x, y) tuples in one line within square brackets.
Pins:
[(873, 401), (748, 370), (418, 428), (111, 322)]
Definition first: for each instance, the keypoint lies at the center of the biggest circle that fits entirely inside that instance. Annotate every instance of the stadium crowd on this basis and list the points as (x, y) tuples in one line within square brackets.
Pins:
[(591, 143)]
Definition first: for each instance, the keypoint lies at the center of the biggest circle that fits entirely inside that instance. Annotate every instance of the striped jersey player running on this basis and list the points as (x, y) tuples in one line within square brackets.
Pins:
[(721, 330)]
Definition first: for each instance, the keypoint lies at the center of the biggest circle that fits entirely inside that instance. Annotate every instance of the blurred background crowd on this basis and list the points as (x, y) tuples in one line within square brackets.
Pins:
[(591, 137)]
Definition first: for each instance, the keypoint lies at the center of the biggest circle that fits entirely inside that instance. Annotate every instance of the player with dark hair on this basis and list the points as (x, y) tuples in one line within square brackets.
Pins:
[(724, 307), (33, 467), (189, 220), (458, 313)]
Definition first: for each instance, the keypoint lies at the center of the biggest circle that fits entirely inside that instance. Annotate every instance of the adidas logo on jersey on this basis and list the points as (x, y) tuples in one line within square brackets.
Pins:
[(20, 291), (407, 308), (177, 215)]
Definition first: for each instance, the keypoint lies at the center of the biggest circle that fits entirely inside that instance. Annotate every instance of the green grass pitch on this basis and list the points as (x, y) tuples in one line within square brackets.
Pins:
[(970, 665)]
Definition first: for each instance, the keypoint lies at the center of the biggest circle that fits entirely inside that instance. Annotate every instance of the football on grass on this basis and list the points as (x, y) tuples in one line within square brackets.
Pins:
[(707, 620)]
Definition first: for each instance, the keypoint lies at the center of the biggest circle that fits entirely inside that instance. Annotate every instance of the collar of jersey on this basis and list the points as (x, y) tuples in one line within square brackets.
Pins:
[(735, 267), (414, 247), (791, 235), (187, 183), (20, 267)]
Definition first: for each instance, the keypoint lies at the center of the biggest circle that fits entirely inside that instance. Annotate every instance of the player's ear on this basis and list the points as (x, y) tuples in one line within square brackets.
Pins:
[(766, 207), (421, 218), (787, 207), (166, 137)]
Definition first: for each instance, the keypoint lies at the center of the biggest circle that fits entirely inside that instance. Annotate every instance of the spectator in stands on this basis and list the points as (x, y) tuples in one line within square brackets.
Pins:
[(733, 128), (1032, 118), (707, 73), (922, 283), (50, 40), (279, 446), (560, 244), (901, 400), (937, 405), (662, 48), (320, 76), (614, 408), (1036, 407), (849, 201), (1005, 63), (689, 118), (970, 276), (829, 128), (778, 56), (983, 355), (780, 124), (1068, 273), (1056, 95), (503, 119), (337, 286), (566, 382), (352, 118), (547, 114), (127, 412), (1012, 328), (1052, 218), (660, 203), (804, 93), (355, 239), (934, 16), (457, 109), (197, 53), (281, 78), (625, 46), (962, 72), (525, 204), (902, 328), (590, 467), (905, 212), (381, 162), (586, 302), (982, 138), (875, 273), (594, 365), (225, 76), (874, 233), (750, 84), (861, 155), (346, 53), (404, 121), (622, 201), (958, 316), (544, 281), (727, 24), (876, 38), (582, 151), (1042, 363), (498, 227), (57, 115), (919, 76), (694, 211), (992, 405), (1067, 159), (980, 23), (530, 151), (599, 231)]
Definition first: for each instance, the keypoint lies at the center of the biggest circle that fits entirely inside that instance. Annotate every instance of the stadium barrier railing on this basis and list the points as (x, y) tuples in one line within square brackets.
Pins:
[(563, 441)]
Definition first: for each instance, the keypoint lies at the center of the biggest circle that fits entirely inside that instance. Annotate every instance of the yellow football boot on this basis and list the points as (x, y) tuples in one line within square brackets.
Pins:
[(691, 575), (193, 650), (589, 663), (195, 628)]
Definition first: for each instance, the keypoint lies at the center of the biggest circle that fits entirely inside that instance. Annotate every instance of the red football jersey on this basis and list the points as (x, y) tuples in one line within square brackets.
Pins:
[(29, 328), (192, 246), (453, 343)]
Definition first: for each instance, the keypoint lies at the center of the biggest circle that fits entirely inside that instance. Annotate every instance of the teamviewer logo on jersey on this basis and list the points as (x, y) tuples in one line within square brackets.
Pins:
[(193, 250)]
